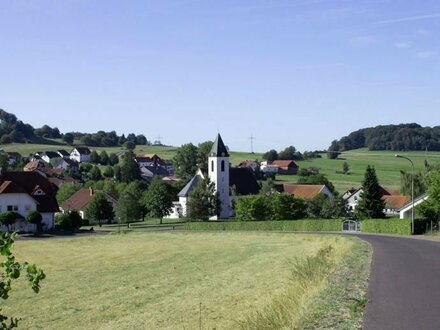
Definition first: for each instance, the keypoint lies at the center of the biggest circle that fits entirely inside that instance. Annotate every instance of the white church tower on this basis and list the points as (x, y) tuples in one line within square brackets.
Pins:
[(218, 172)]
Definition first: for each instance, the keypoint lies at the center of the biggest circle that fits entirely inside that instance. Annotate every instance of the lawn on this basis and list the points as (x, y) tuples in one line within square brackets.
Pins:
[(179, 280)]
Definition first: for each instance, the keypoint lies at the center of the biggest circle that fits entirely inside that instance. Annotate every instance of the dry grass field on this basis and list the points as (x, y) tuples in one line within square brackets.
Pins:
[(179, 280)]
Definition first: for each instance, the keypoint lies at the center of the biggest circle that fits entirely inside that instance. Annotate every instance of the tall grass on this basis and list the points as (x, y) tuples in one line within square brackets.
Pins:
[(307, 280)]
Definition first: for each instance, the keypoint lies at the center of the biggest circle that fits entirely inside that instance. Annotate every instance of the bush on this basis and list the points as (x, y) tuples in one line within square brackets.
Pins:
[(387, 226), (69, 221), (296, 225)]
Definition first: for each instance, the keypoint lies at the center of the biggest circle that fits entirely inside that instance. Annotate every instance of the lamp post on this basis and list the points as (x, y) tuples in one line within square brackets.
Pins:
[(412, 190)]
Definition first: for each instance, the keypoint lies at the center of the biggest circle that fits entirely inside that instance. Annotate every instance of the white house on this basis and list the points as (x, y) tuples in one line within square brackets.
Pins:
[(80, 154), (405, 211), (23, 192), (268, 168)]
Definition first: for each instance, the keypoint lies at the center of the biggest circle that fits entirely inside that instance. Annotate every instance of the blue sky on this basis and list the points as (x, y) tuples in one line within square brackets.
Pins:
[(296, 73)]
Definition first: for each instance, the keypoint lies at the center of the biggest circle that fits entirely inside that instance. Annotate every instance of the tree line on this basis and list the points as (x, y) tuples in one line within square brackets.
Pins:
[(14, 130), (389, 137)]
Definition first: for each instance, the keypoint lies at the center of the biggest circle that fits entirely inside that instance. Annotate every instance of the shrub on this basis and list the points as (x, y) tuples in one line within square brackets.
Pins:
[(252, 208), (69, 221), (296, 225), (387, 226)]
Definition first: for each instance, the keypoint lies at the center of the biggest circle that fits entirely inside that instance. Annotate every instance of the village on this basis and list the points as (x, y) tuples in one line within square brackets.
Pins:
[(35, 188)]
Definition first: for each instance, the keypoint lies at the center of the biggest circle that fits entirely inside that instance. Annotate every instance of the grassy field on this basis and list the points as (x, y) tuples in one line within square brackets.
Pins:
[(386, 164), (190, 281)]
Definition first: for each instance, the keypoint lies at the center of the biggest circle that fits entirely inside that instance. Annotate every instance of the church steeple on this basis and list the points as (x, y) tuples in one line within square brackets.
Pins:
[(218, 148), (218, 173)]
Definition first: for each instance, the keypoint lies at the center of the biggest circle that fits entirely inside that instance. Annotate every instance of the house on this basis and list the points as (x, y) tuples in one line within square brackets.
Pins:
[(34, 165), (405, 212), (392, 199), (81, 199), (47, 156), (155, 164), (286, 166), (252, 164), (306, 191), (23, 192), (67, 164), (268, 168), (80, 154)]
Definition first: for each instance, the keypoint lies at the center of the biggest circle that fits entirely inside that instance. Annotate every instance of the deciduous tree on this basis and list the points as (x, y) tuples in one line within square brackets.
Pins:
[(185, 161), (100, 208), (158, 199), (203, 201)]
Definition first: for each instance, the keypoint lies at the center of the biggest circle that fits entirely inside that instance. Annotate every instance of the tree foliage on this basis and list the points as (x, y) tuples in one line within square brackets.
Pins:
[(430, 209), (406, 183), (11, 270), (100, 208), (287, 207), (130, 208), (66, 190), (35, 218), (271, 155), (159, 198), (129, 168), (391, 137), (185, 161), (371, 204), (8, 219), (203, 202)]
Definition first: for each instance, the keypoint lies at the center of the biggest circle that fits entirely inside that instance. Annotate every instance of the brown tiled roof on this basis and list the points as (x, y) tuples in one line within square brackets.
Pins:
[(28, 181), (33, 165), (80, 199), (9, 187), (395, 201), (305, 191), (246, 163), (59, 182), (284, 163)]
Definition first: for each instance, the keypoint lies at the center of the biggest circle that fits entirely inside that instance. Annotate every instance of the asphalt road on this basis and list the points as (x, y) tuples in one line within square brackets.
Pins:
[(404, 290)]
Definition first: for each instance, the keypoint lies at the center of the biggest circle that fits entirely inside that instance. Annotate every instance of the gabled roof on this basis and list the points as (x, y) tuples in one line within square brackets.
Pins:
[(82, 150), (9, 187), (284, 163), (68, 161), (247, 163), (244, 181), (218, 148), (417, 200), (82, 198), (51, 154), (31, 166), (395, 201), (190, 186), (63, 153), (305, 191), (28, 181)]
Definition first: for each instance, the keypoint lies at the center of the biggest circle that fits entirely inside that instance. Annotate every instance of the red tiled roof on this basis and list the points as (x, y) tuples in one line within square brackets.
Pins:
[(33, 165), (305, 191), (284, 163), (395, 201), (80, 199)]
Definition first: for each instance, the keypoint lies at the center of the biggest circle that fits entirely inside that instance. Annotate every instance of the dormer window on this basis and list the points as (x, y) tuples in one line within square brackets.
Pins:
[(39, 192)]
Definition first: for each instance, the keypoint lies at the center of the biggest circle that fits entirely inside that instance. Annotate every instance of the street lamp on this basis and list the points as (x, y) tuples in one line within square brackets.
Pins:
[(412, 189)]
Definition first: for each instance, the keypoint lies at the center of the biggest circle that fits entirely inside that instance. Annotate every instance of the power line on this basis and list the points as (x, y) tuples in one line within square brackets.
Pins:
[(252, 138)]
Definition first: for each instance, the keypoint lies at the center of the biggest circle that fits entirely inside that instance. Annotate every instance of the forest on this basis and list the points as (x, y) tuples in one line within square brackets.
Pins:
[(402, 137)]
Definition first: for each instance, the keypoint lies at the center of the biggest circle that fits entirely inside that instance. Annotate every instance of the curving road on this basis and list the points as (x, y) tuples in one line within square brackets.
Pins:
[(404, 290)]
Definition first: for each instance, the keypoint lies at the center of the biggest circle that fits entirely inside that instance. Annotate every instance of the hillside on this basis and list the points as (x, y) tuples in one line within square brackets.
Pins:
[(403, 137)]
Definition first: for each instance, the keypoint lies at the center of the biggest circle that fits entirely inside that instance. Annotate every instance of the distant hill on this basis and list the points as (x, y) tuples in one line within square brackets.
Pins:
[(403, 137), (14, 130)]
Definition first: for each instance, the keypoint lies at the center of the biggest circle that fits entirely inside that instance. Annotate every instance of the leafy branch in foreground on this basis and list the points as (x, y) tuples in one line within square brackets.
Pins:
[(10, 270)]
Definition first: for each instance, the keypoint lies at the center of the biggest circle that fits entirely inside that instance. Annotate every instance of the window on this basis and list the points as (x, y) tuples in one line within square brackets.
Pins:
[(12, 208), (223, 165), (212, 166)]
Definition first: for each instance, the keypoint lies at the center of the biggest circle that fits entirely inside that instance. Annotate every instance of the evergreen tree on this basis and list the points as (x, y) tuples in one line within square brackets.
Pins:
[(113, 159), (371, 204), (103, 158), (100, 208), (129, 168), (94, 157)]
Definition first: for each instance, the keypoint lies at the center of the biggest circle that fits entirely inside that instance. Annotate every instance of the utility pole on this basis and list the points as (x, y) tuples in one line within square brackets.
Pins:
[(252, 138)]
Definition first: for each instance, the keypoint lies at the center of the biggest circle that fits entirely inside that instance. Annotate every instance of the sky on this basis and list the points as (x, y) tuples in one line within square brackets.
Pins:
[(296, 72)]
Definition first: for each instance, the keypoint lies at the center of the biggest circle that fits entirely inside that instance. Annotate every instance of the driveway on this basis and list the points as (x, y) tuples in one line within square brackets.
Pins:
[(404, 290)]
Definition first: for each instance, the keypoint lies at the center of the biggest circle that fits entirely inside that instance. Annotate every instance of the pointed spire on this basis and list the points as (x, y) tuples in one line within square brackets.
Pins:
[(218, 148)]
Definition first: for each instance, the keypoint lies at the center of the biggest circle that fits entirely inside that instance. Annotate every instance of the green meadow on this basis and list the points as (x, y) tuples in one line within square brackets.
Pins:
[(187, 280)]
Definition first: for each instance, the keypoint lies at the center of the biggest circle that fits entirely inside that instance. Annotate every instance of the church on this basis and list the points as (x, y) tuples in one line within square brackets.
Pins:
[(224, 177)]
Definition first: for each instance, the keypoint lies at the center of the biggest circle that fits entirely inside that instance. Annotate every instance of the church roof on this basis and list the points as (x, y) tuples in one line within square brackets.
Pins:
[(218, 148), (189, 186), (244, 181)]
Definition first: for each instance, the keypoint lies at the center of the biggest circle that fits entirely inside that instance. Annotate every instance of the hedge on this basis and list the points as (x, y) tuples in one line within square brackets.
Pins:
[(292, 225), (387, 226)]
